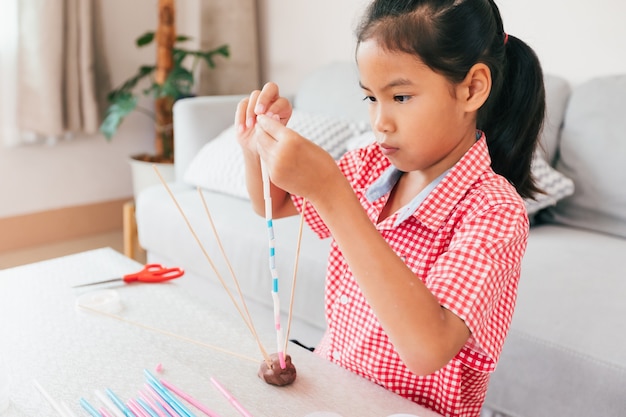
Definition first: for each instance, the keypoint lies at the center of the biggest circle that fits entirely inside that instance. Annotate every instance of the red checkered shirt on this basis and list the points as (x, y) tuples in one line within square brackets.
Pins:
[(465, 241)]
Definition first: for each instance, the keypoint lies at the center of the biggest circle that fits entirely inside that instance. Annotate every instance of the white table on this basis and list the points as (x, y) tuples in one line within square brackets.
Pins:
[(72, 352)]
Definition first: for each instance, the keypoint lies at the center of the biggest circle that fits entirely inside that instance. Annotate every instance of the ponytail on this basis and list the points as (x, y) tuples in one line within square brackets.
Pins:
[(513, 116), (450, 36)]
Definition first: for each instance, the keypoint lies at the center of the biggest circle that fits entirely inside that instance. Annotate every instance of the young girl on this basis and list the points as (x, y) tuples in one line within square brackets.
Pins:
[(428, 224)]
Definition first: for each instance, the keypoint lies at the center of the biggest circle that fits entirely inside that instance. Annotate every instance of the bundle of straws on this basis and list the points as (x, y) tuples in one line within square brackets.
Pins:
[(158, 398)]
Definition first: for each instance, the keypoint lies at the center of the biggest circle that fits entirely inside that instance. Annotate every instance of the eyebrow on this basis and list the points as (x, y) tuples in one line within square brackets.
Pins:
[(399, 82)]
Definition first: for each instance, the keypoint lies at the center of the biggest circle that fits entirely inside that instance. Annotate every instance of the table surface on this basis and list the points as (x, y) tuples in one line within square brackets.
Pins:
[(72, 352)]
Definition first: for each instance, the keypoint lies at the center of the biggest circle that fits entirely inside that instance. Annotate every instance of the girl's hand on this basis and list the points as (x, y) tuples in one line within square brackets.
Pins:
[(266, 101), (295, 164)]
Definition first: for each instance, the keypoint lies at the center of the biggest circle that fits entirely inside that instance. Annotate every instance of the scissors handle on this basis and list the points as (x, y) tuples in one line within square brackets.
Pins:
[(154, 273)]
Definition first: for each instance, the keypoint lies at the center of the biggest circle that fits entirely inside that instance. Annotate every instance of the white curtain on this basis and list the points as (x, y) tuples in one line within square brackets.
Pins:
[(8, 73), (55, 65)]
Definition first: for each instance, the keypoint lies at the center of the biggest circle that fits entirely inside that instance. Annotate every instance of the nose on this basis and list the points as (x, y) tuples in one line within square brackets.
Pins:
[(381, 118)]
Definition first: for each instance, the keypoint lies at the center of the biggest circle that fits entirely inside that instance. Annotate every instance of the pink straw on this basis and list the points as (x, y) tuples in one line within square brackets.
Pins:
[(104, 412), (136, 408), (157, 408), (155, 395), (230, 398), (189, 399)]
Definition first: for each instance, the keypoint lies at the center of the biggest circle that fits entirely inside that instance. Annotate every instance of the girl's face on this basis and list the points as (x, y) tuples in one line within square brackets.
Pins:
[(418, 116)]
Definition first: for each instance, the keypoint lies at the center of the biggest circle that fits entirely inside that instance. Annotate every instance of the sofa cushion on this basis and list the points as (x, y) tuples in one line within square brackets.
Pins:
[(565, 336), (592, 149), (557, 94), (554, 185), (219, 165)]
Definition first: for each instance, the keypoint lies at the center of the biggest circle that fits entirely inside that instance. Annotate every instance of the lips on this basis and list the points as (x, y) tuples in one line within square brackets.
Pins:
[(386, 149)]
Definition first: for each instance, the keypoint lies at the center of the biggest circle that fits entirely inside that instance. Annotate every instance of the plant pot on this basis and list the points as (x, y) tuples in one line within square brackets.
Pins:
[(144, 175)]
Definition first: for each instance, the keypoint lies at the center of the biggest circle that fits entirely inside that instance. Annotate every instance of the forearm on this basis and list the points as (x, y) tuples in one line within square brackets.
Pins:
[(425, 335)]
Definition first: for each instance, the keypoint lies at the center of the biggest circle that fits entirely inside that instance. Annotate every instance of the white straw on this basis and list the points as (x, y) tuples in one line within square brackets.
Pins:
[(67, 410), (51, 400)]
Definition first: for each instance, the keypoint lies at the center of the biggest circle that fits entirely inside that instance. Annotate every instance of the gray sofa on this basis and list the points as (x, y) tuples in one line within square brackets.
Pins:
[(565, 354)]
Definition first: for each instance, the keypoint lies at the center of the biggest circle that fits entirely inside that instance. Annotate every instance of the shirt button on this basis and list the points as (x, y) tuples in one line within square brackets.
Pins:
[(336, 355), (344, 299)]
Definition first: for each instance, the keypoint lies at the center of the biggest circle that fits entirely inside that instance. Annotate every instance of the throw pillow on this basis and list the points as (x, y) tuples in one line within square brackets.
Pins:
[(219, 164), (360, 141), (555, 185), (328, 132), (592, 153)]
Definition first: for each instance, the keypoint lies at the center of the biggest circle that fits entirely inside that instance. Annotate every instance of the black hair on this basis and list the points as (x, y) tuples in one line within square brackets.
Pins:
[(450, 36)]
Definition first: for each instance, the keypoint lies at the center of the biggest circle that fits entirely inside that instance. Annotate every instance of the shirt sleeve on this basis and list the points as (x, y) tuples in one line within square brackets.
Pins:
[(477, 277)]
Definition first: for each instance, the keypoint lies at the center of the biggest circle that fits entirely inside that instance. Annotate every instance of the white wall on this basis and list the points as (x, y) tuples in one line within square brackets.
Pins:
[(297, 36), (576, 38)]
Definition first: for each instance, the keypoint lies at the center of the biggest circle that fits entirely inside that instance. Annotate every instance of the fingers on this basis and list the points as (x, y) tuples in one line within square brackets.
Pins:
[(265, 101), (240, 115), (271, 126), (245, 117), (269, 132), (271, 103)]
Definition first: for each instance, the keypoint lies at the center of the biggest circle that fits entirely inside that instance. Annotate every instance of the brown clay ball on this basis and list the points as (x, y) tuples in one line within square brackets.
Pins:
[(274, 375)]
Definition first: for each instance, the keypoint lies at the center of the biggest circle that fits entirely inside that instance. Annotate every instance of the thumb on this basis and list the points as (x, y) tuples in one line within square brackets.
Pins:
[(271, 126)]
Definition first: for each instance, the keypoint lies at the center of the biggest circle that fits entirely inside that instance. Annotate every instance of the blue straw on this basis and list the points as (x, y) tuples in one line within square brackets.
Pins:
[(119, 404), (89, 408), (167, 396), (147, 407)]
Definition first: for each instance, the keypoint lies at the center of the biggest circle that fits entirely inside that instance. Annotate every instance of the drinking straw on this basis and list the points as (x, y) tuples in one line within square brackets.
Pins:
[(156, 406), (231, 398), (189, 399), (134, 407), (147, 407), (49, 398), (157, 397), (167, 396), (89, 408), (272, 262), (66, 409), (104, 412), (107, 402), (118, 403)]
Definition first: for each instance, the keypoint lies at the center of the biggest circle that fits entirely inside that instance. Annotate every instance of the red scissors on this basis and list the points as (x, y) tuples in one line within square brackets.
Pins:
[(150, 273)]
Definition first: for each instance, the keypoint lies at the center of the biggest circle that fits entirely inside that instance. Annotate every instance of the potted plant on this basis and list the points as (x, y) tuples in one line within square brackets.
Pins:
[(169, 79)]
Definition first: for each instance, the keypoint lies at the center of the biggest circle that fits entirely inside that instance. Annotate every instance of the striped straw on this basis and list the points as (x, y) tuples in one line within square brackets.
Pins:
[(272, 262)]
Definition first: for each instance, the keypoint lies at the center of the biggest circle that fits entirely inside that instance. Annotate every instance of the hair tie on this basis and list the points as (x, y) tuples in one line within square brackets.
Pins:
[(506, 37)]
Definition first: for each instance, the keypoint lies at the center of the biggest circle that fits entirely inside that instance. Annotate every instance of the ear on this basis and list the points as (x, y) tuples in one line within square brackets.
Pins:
[(475, 88)]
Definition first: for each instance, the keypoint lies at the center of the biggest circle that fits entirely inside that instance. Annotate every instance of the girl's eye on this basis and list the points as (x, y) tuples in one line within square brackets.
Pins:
[(369, 98), (402, 99)]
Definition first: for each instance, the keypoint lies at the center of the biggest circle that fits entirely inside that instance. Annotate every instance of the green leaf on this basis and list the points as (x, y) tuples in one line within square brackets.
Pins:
[(122, 105), (145, 39), (130, 84), (183, 38), (208, 56), (178, 56), (179, 83)]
